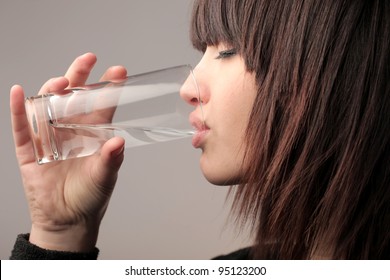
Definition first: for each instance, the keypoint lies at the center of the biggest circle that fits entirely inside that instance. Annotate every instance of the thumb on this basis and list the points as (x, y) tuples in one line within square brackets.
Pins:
[(20, 128), (108, 163)]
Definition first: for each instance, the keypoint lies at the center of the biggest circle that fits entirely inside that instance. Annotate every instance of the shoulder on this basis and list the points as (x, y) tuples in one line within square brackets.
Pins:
[(241, 254)]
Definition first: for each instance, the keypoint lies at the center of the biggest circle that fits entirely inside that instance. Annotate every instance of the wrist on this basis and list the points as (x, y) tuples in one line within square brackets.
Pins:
[(74, 238)]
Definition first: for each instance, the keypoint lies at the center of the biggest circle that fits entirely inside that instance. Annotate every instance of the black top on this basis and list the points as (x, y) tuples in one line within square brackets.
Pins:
[(24, 250), (242, 254)]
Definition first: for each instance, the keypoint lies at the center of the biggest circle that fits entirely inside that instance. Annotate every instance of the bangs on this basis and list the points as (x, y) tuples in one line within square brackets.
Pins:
[(238, 24), (215, 22)]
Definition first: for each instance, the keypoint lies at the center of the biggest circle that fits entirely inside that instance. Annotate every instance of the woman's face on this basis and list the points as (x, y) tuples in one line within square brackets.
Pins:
[(227, 92)]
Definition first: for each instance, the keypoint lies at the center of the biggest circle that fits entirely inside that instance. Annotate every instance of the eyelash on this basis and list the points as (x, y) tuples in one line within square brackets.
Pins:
[(226, 54)]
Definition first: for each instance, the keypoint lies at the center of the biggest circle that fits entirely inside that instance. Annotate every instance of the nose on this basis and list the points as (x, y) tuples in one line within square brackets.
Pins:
[(189, 91)]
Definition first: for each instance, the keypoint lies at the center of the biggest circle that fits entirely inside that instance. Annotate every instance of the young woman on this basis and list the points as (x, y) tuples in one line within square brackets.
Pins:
[(295, 97)]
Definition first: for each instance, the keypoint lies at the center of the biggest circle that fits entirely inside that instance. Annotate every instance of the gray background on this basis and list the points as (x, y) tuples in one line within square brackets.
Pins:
[(162, 207)]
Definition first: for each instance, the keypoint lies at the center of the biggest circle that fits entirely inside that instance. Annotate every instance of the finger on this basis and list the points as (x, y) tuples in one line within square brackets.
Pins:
[(18, 115), (20, 128), (114, 73), (112, 154), (54, 85), (109, 162), (78, 72)]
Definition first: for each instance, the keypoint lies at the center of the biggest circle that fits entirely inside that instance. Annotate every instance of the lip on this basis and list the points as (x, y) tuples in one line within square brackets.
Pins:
[(201, 130)]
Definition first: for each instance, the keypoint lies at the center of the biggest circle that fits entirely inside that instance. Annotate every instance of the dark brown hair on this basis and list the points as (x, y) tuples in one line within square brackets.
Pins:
[(317, 181)]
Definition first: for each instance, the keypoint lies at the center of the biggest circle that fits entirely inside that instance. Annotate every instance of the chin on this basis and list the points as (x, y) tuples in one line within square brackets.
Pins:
[(219, 174), (219, 179)]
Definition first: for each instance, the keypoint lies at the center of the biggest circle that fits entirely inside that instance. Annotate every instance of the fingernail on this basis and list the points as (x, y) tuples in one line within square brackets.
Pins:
[(117, 152)]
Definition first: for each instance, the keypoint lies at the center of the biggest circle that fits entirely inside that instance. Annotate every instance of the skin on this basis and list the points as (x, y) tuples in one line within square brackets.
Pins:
[(67, 199), (227, 91)]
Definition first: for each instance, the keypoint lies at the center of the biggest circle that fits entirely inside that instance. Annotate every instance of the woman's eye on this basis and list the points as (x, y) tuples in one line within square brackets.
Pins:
[(226, 54)]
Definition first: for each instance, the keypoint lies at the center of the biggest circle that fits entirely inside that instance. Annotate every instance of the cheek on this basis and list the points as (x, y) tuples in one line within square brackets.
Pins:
[(222, 157), (221, 160), (236, 110)]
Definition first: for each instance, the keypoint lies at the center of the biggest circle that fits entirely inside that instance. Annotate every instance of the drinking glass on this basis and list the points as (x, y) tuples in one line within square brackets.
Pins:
[(143, 109)]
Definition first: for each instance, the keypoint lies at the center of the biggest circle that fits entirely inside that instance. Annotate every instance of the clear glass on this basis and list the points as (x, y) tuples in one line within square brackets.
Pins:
[(143, 109)]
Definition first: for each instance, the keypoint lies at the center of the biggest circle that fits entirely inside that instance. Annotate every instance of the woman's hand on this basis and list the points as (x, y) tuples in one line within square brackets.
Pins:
[(67, 199)]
